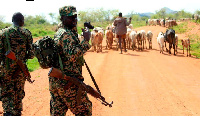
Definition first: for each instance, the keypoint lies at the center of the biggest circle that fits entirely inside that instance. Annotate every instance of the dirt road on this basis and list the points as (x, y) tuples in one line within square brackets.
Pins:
[(139, 83)]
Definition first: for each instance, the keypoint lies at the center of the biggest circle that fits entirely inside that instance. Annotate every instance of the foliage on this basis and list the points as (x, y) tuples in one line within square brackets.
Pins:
[(181, 28), (3, 25), (97, 15), (161, 14), (195, 45), (33, 64), (41, 30), (39, 26)]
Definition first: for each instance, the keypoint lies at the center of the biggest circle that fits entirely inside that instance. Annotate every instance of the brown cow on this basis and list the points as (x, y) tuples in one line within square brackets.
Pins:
[(186, 44), (109, 39), (97, 42)]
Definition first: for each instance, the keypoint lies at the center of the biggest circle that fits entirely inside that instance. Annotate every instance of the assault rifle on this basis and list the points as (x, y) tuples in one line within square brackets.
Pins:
[(82, 86), (11, 55)]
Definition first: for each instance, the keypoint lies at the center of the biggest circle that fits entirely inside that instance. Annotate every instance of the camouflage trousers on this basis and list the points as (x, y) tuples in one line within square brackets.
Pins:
[(13, 92), (63, 99)]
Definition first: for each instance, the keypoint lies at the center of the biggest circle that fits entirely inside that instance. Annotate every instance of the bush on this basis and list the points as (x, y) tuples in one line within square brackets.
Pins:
[(33, 64), (181, 28)]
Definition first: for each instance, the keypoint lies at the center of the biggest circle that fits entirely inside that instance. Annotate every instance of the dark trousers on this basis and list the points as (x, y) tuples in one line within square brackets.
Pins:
[(120, 41)]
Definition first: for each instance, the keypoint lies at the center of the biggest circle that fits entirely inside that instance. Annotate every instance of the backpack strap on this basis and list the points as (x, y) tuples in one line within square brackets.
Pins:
[(7, 48)]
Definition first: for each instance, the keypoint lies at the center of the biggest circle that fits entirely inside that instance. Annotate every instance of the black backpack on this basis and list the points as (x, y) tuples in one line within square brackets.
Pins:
[(45, 52)]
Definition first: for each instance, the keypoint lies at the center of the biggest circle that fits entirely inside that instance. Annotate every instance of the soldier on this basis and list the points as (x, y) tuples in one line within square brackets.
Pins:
[(121, 29), (19, 40), (71, 52)]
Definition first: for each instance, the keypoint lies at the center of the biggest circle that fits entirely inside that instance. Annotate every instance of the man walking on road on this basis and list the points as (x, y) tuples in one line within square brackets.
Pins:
[(121, 29)]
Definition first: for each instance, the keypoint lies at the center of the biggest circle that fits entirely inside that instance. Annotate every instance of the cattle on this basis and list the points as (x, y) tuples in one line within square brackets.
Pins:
[(153, 22), (160, 41), (162, 22), (149, 38), (88, 25), (196, 17), (109, 38), (170, 23), (186, 44), (141, 39), (133, 37), (92, 37), (128, 40), (170, 38), (97, 42), (176, 42)]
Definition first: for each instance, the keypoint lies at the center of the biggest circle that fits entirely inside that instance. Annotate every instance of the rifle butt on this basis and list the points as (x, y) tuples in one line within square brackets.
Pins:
[(55, 73), (10, 54)]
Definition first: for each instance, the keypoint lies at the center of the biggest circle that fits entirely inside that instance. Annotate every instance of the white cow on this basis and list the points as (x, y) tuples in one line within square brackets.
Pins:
[(133, 37), (160, 40), (149, 38)]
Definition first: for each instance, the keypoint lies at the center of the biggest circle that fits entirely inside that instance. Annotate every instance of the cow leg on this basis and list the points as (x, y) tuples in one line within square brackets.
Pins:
[(170, 46), (145, 43), (106, 44), (166, 47), (174, 49), (183, 49), (187, 52), (142, 44)]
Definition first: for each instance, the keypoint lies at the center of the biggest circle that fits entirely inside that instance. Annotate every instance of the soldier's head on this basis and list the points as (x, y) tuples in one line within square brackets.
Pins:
[(68, 16), (18, 19), (120, 14)]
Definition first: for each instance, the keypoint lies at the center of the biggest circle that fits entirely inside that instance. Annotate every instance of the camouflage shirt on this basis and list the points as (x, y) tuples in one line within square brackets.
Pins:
[(21, 46), (71, 51)]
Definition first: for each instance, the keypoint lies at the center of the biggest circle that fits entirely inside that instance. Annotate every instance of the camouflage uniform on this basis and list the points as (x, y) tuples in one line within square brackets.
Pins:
[(13, 81), (71, 51)]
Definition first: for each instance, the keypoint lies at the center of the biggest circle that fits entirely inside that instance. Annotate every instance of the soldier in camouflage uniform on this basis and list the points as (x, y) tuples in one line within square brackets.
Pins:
[(71, 51), (20, 40)]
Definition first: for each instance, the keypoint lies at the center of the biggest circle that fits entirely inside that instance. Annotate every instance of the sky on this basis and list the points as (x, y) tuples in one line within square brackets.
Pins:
[(44, 7)]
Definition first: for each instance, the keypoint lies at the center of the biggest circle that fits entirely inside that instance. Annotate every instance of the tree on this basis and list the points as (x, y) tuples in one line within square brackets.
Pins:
[(154, 16), (52, 15), (197, 12), (1, 18), (136, 17), (162, 13), (38, 19)]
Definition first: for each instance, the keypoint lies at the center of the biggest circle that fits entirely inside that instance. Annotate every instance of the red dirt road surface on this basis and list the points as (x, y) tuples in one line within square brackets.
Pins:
[(140, 83)]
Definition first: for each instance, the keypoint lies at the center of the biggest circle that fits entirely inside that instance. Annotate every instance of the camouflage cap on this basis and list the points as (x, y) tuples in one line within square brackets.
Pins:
[(67, 11)]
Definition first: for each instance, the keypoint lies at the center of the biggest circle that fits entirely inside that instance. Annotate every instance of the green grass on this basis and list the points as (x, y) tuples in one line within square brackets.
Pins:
[(33, 64), (181, 28), (195, 49), (194, 45), (137, 24), (41, 30)]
